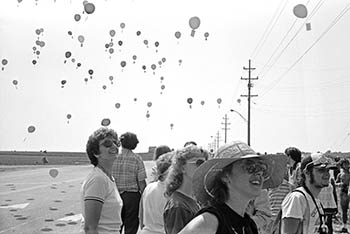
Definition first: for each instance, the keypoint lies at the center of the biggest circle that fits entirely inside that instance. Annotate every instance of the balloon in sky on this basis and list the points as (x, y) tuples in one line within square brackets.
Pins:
[(206, 35), (69, 116), (105, 122), (138, 33), (104, 86), (31, 129), (120, 43), (162, 87), (147, 115), (70, 33), (149, 104), (239, 100), (144, 68), (135, 99), (163, 60), (189, 100), (156, 43), (15, 82), (63, 82), (53, 173), (111, 79), (134, 57), (145, 42), (194, 24), (68, 54), (219, 100), (34, 61), (300, 11), (77, 17), (37, 31), (117, 105), (91, 71), (177, 34), (81, 39), (112, 32), (123, 63), (202, 103), (122, 25), (171, 125), (4, 62), (89, 8), (153, 66)]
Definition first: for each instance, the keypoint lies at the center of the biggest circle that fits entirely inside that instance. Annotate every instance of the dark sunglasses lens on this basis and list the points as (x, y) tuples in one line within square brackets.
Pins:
[(107, 143), (199, 162)]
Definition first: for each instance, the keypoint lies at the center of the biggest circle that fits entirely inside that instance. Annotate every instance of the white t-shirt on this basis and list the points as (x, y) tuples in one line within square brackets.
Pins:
[(153, 202), (295, 206), (97, 186)]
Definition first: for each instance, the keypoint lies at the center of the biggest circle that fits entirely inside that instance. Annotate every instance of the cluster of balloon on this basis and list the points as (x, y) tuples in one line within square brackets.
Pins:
[(117, 105), (109, 46), (111, 79), (81, 39), (206, 35), (38, 43), (219, 100), (53, 173), (4, 63), (63, 82), (194, 24), (105, 122), (69, 116), (134, 57), (171, 126), (15, 83), (189, 101), (89, 7)]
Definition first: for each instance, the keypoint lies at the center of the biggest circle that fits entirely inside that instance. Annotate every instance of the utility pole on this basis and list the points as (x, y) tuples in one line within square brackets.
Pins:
[(225, 127), (250, 85), (217, 140)]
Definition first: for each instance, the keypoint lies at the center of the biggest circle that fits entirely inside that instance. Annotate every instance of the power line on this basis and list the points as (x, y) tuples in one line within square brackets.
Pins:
[(331, 25)]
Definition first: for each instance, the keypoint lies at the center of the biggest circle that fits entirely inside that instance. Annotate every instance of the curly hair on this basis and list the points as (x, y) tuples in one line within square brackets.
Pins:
[(163, 163), (174, 179), (160, 150), (92, 145)]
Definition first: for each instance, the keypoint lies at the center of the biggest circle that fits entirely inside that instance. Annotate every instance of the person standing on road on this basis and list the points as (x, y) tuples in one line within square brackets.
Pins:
[(130, 177), (100, 199)]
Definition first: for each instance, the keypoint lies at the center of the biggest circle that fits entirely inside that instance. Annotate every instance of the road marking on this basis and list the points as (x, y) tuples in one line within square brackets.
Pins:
[(72, 218), (17, 206)]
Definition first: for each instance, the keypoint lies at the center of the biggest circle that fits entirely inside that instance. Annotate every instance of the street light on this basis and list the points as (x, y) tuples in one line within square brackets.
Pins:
[(245, 120)]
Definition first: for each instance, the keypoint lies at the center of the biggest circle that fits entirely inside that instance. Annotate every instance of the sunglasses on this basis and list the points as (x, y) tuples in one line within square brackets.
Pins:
[(198, 162), (253, 167), (108, 143)]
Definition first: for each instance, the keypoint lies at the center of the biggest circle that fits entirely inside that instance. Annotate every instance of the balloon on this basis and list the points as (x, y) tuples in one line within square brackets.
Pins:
[(53, 173), (194, 22), (78, 64), (111, 50), (91, 71), (42, 44), (81, 39), (147, 115), (77, 17), (86, 80), (37, 52), (122, 25), (162, 87), (156, 43), (73, 60), (31, 129), (123, 63), (4, 62), (63, 82), (70, 33), (160, 63), (37, 31), (41, 30), (180, 61), (110, 78), (104, 86), (219, 100), (189, 100), (161, 78), (300, 11), (145, 42), (177, 34), (105, 122), (112, 32), (69, 116), (239, 100), (163, 60), (171, 125), (117, 105), (138, 33), (153, 66), (144, 67), (120, 43), (135, 99), (34, 61), (206, 35), (308, 26), (68, 54), (89, 8), (202, 102), (85, 2), (149, 104), (15, 82), (134, 57)]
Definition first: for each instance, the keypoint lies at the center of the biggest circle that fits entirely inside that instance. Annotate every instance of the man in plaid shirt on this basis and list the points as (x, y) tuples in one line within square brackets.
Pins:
[(130, 176)]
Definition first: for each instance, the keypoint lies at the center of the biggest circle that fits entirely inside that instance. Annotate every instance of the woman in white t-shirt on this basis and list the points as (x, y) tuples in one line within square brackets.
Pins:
[(100, 199), (153, 200)]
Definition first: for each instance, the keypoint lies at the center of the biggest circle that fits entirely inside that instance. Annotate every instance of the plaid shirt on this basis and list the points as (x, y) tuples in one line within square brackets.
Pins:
[(127, 170)]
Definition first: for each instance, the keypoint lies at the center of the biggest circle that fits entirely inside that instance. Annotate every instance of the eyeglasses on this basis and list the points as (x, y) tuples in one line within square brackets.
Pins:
[(108, 143), (253, 167), (198, 162)]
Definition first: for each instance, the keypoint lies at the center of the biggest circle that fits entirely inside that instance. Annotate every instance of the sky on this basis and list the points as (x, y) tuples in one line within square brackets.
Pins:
[(301, 65)]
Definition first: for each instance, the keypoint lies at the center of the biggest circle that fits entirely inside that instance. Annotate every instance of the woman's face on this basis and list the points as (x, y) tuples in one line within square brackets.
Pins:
[(108, 149), (247, 177)]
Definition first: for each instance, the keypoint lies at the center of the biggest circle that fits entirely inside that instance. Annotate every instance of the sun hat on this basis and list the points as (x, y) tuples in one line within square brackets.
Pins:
[(204, 176), (318, 160)]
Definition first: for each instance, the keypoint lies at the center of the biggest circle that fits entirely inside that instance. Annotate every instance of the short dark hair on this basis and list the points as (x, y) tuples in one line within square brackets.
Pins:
[(162, 149), (129, 140), (92, 145)]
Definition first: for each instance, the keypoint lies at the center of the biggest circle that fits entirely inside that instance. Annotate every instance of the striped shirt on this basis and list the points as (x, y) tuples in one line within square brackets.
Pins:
[(128, 169), (277, 195)]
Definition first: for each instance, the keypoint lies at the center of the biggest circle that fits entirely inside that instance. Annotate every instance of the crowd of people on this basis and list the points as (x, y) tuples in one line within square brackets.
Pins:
[(234, 191)]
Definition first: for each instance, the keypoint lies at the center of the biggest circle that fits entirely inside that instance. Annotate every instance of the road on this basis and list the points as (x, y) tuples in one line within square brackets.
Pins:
[(31, 201)]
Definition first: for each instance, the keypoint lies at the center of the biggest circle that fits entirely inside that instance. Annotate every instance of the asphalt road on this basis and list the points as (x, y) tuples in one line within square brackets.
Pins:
[(31, 201)]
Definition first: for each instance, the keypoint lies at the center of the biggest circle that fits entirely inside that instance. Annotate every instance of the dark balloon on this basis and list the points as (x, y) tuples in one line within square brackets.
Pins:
[(4, 62), (122, 25), (138, 33), (63, 82), (123, 63), (77, 17), (105, 122), (31, 129), (156, 43), (89, 8), (68, 54), (120, 43), (91, 71), (34, 62), (189, 100)]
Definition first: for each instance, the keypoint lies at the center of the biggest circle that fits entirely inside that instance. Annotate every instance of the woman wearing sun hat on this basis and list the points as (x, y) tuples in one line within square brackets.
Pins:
[(226, 184)]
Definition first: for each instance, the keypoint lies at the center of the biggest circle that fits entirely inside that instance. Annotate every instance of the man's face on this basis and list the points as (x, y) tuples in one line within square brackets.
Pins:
[(320, 177)]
